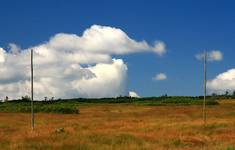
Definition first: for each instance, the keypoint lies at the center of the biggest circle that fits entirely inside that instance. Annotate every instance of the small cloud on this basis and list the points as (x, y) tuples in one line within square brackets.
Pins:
[(160, 77), (133, 94), (214, 55), (159, 48)]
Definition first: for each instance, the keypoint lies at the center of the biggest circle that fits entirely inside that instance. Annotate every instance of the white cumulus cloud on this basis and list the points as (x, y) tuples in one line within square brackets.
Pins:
[(69, 65), (2, 55), (103, 39), (214, 55), (223, 82), (160, 77), (133, 94)]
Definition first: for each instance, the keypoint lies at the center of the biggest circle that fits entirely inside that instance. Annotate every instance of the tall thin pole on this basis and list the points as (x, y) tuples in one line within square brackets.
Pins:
[(32, 106), (205, 84)]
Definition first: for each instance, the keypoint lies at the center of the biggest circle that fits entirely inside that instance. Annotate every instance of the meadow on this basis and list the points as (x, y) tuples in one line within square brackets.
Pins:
[(121, 125)]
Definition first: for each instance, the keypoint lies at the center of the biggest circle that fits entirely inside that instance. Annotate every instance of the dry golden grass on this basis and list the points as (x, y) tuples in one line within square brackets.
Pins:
[(122, 127)]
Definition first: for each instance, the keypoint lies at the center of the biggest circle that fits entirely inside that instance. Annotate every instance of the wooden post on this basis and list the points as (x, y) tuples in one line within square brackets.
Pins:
[(205, 88), (32, 106)]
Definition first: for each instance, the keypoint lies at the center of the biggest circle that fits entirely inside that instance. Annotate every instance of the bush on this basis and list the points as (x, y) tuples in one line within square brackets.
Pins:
[(52, 107)]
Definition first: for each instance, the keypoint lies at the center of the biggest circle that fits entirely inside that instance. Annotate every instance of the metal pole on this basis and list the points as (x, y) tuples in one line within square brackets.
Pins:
[(205, 88), (32, 106)]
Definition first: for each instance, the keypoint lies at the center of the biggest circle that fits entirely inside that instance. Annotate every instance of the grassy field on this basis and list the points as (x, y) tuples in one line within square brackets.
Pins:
[(122, 127)]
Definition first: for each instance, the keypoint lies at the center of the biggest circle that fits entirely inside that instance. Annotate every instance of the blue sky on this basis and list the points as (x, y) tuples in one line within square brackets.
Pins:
[(187, 27)]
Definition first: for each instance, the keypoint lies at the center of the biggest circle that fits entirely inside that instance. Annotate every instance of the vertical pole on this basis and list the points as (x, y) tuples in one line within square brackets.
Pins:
[(32, 106), (205, 88)]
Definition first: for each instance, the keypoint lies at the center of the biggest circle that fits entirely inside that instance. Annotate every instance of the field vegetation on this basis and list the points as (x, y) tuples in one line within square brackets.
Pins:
[(70, 106), (119, 124)]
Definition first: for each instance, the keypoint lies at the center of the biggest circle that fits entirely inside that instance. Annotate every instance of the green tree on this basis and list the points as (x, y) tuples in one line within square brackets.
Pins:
[(226, 93), (233, 94), (25, 98)]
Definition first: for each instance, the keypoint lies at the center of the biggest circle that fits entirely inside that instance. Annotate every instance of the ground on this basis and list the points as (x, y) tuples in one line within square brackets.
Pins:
[(122, 127)]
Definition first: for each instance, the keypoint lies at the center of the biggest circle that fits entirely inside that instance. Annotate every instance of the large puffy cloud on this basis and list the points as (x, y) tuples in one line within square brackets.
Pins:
[(103, 39), (62, 78), (69, 65), (223, 82)]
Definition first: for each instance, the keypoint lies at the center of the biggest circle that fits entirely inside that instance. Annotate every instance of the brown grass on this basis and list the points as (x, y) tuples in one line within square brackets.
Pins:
[(122, 127)]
